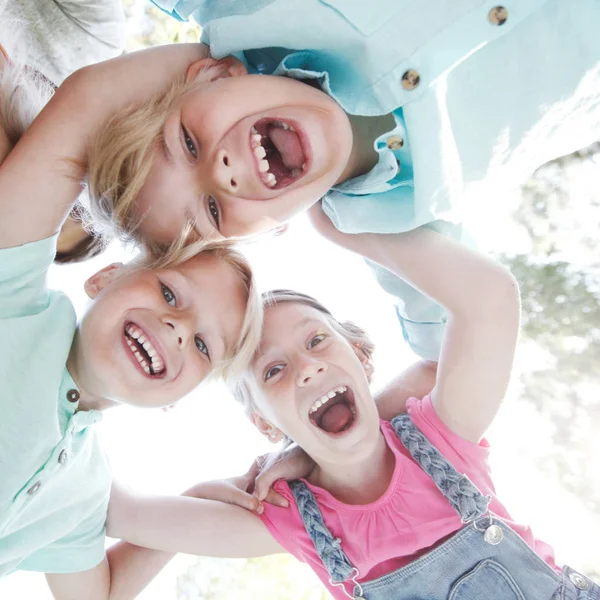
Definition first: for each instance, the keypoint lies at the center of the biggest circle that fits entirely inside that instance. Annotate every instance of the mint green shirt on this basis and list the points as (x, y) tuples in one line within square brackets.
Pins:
[(54, 478)]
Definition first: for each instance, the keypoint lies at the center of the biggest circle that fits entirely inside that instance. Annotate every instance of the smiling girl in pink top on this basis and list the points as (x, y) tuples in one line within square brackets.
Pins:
[(403, 509)]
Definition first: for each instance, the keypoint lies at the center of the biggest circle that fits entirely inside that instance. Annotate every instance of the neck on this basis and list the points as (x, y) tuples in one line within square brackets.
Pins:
[(361, 481), (365, 130), (87, 399)]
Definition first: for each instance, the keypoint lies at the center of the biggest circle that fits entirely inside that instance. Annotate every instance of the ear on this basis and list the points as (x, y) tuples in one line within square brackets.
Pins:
[(97, 282), (211, 69), (266, 428), (367, 363)]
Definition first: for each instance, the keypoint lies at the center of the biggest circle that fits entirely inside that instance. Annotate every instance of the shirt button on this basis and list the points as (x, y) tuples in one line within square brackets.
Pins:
[(73, 395), (579, 581), (498, 15), (34, 488), (410, 79), (62, 457), (395, 142)]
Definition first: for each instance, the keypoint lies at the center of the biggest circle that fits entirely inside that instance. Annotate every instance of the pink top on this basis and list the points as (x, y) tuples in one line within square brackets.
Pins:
[(410, 518)]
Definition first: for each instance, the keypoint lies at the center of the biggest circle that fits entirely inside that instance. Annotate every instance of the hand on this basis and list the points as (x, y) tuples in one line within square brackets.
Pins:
[(231, 491), (354, 242), (290, 464)]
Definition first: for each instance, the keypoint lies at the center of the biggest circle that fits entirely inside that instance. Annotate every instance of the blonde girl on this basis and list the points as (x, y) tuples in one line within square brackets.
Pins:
[(400, 509)]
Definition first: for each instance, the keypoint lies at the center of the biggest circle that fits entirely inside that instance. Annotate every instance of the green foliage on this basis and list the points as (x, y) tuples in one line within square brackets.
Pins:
[(560, 290), (149, 26)]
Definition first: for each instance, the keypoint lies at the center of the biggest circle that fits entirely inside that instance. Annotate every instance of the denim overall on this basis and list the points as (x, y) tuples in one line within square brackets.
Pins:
[(485, 560)]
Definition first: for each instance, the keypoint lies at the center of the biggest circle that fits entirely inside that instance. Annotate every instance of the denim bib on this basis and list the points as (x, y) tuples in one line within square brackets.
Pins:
[(484, 560)]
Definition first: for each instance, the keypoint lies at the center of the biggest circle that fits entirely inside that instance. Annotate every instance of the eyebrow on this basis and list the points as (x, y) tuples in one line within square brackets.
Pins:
[(299, 325)]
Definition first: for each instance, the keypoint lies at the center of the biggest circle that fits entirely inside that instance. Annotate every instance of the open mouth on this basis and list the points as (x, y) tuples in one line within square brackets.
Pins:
[(278, 152), (335, 411), (143, 351)]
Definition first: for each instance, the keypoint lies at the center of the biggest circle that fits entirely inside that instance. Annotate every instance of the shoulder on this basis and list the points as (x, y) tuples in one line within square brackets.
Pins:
[(463, 454)]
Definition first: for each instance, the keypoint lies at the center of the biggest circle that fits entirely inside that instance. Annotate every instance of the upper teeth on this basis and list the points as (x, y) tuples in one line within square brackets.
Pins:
[(260, 156), (326, 397), (157, 365)]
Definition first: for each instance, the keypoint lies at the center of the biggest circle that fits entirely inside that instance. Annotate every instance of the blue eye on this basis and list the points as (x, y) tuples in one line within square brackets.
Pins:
[(202, 346), (316, 340), (272, 371), (214, 210), (168, 295), (189, 143)]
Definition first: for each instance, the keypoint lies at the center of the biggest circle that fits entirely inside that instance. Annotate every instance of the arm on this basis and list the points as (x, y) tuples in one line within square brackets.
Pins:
[(128, 569), (414, 382), (45, 169), (190, 525), (482, 301)]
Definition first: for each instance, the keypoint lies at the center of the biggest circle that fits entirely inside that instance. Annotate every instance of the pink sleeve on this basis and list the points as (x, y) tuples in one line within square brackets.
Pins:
[(463, 455)]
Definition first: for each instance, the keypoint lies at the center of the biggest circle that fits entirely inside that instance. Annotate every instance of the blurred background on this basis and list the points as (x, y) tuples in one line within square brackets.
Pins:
[(546, 447)]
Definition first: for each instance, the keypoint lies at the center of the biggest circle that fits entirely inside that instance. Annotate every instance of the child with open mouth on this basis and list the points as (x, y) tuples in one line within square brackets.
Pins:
[(403, 509), (392, 112), (154, 330)]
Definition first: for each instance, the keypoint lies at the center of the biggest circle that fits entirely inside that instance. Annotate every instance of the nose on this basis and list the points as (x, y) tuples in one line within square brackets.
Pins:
[(226, 172), (179, 329), (310, 372)]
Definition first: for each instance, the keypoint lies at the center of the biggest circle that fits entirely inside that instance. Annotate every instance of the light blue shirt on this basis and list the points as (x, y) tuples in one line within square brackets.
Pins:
[(498, 94), (54, 478)]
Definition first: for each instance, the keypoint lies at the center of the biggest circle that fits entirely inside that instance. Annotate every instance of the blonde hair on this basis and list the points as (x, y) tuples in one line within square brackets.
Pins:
[(357, 337), (249, 338), (121, 156)]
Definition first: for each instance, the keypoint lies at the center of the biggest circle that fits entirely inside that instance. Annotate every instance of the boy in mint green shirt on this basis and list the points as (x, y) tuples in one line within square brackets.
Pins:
[(154, 330)]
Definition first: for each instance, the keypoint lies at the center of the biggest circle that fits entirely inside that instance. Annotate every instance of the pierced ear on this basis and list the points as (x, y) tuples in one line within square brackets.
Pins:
[(97, 282), (266, 428), (211, 69)]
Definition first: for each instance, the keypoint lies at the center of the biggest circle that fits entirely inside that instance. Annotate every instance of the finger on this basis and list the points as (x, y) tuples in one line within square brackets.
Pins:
[(276, 498), (247, 501), (263, 483)]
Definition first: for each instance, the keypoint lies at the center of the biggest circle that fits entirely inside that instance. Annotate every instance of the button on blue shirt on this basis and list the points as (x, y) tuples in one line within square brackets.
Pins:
[(479, 95), (54, 478)]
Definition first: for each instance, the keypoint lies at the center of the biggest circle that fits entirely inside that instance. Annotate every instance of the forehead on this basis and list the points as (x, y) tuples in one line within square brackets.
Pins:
[(282, 320)]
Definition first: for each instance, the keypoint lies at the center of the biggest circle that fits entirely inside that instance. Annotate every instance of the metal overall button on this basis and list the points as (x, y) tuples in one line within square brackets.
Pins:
[(579, 581), (493, 535)]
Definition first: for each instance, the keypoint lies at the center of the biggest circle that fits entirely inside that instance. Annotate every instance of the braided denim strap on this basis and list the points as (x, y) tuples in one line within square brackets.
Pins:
[(462, 494), (328, 548)]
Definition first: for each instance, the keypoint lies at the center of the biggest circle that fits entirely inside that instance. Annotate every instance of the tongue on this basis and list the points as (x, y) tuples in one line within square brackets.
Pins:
[(336, 418), (288, 145)]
